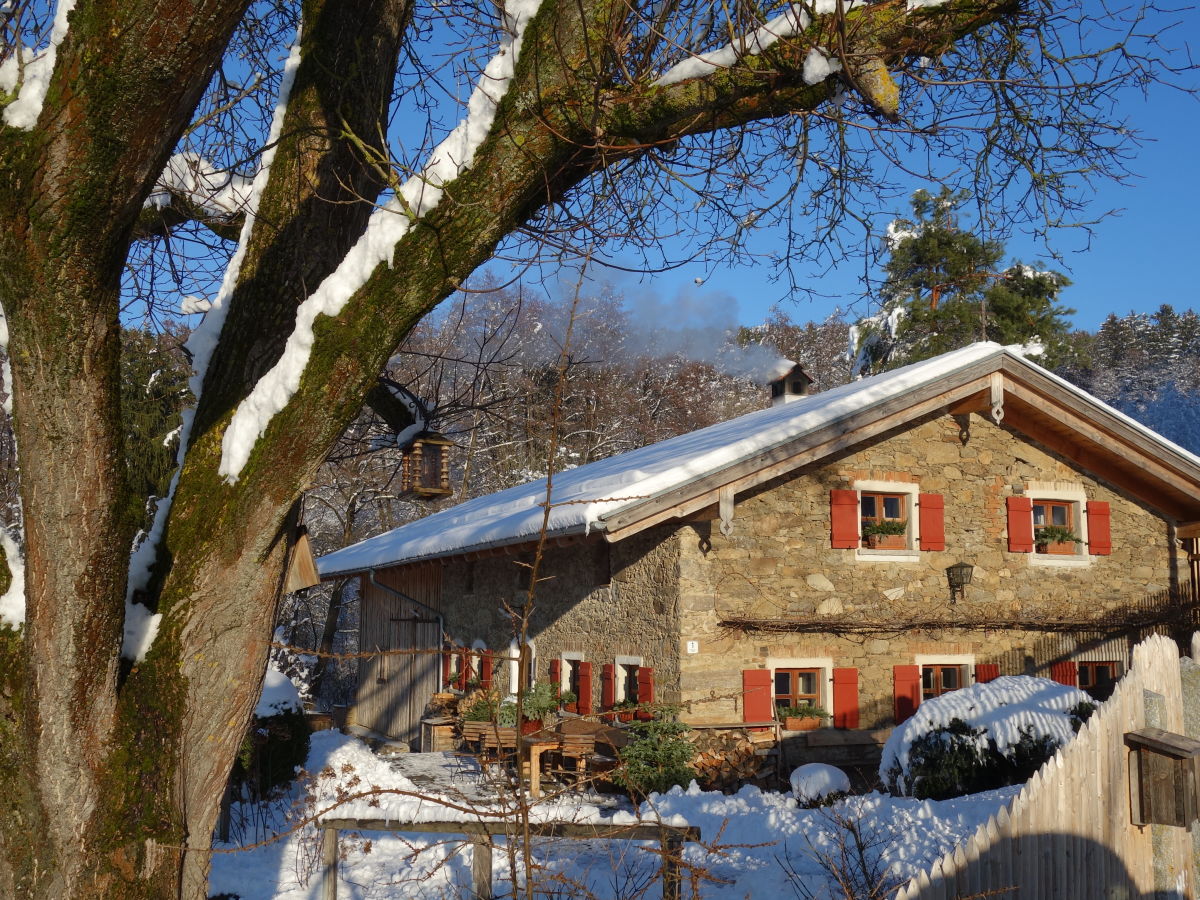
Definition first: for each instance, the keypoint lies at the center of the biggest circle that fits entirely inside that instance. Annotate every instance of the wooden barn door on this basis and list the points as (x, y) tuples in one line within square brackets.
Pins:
[(395, 686), (413, 676)]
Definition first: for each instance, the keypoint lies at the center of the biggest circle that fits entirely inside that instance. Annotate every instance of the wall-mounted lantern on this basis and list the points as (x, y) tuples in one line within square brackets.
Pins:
[(1163, 777), (959, 576), (425, 467)]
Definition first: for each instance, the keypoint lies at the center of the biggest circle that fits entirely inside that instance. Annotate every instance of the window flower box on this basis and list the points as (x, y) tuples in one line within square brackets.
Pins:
[(807, 723), (1055, 539), (885, 534), (802, 717)]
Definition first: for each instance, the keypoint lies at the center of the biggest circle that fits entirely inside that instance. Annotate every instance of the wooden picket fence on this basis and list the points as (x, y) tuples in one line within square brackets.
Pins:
[(1068, 834)]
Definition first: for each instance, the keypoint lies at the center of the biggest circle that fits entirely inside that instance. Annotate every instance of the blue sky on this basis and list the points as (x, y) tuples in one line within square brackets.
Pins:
[(1138, 259)]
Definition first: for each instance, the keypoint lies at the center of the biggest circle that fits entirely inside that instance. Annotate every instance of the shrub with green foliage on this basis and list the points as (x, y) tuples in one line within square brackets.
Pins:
[(272, 750), (659, 756), (956, 759)]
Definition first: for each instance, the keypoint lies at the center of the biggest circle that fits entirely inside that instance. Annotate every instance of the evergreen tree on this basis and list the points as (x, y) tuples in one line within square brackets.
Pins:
[(945, 288), (154, 376)]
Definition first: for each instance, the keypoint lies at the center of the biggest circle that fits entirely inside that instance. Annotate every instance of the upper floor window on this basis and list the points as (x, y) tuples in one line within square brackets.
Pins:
[(1055, 525), (884, 520)]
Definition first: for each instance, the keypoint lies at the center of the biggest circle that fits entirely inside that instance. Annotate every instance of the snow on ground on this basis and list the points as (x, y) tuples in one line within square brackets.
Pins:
[(754, 837), (1002, 707)]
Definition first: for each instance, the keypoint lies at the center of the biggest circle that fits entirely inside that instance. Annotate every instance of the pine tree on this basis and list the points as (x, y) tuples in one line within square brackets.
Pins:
[(945, 288)]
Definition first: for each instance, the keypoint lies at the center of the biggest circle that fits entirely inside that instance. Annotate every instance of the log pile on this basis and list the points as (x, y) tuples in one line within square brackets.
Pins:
[(728, 759)]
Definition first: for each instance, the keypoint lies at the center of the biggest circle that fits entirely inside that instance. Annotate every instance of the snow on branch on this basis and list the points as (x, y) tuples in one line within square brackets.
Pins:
[(221, 195), (818, 66), (141, 625), (387, 225), (791, 22), (27, 71)]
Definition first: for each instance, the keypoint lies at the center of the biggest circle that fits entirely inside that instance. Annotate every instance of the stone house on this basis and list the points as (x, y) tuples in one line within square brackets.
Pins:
[(731, 570)]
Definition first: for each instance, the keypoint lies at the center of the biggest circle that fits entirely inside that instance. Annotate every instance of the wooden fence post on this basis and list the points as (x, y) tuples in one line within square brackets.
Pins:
[(329, 864), (672, 848), (481, 867)]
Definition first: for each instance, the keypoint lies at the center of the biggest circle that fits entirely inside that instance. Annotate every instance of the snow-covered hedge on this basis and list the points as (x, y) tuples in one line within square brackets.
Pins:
[(981, 736)]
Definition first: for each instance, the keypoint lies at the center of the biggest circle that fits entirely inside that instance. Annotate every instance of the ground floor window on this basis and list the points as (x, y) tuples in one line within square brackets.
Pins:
[(1098, 678), (939, 678), (794, 687), (626, 672)]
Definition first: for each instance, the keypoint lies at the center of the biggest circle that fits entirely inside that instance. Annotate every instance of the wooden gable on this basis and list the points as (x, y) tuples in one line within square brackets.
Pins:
[(1009, 392)]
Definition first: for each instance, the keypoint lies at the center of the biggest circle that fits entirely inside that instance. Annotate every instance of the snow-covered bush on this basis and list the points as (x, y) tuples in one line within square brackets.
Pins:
[(816, 784), (981, 737)]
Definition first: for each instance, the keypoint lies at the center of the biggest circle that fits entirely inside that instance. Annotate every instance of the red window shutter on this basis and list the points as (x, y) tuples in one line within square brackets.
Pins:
[(756, 696), (1099, 523), (645, 679), (845, 698), (1065, 672), (583, 705), (608, 686), (843, 514), (446, 666), (485, 670), (985, 672), (907, 689), (464, 668), (555, 674), (932, 517), (1020, 525)]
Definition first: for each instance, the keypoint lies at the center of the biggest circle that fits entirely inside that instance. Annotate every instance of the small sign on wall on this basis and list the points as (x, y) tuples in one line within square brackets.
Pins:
[(693, 647)]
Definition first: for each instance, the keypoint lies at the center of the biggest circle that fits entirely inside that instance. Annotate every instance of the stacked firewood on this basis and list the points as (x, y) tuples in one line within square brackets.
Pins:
[(727, 759)]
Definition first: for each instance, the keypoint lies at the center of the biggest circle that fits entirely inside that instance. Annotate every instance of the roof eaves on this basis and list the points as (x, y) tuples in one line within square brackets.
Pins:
[(573, 530)]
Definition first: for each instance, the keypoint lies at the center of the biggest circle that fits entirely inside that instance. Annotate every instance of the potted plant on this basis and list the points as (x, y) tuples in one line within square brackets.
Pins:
[(802, 717), (1055, 539), (886, 534), (540, 701), (624, 710)]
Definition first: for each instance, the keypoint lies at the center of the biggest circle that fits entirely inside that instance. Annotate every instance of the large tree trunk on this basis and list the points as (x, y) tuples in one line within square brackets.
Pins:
[(111, 776)]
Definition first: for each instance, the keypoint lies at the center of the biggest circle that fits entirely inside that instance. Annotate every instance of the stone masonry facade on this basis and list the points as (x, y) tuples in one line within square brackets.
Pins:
[(595, 599), (778, 564), (662, 595)]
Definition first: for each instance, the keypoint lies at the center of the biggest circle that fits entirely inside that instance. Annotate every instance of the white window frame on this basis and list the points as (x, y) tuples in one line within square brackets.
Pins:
[(478, 648), (514, 653), (824, 663), (619, 682), (912, 553), (1070, 493), (965, 661), (564, 669)]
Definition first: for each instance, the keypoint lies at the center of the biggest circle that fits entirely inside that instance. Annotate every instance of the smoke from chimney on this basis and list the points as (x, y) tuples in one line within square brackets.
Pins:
[(701, 327)]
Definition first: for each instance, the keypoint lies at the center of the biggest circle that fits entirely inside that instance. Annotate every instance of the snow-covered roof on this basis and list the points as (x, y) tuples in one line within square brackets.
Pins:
[(590, 497)]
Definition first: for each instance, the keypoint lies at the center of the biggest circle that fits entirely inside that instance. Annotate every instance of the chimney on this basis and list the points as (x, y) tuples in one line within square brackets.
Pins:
[(791, 385)]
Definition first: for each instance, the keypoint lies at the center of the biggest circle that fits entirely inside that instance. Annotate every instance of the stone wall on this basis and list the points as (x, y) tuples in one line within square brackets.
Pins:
[(778, 564), (593, 598)]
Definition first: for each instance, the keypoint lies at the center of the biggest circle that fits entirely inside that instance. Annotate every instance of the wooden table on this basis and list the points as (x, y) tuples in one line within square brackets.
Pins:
[(537, 744)]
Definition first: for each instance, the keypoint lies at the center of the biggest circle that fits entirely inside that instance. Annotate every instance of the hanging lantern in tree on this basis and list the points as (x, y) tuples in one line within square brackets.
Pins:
[(425, 467)]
